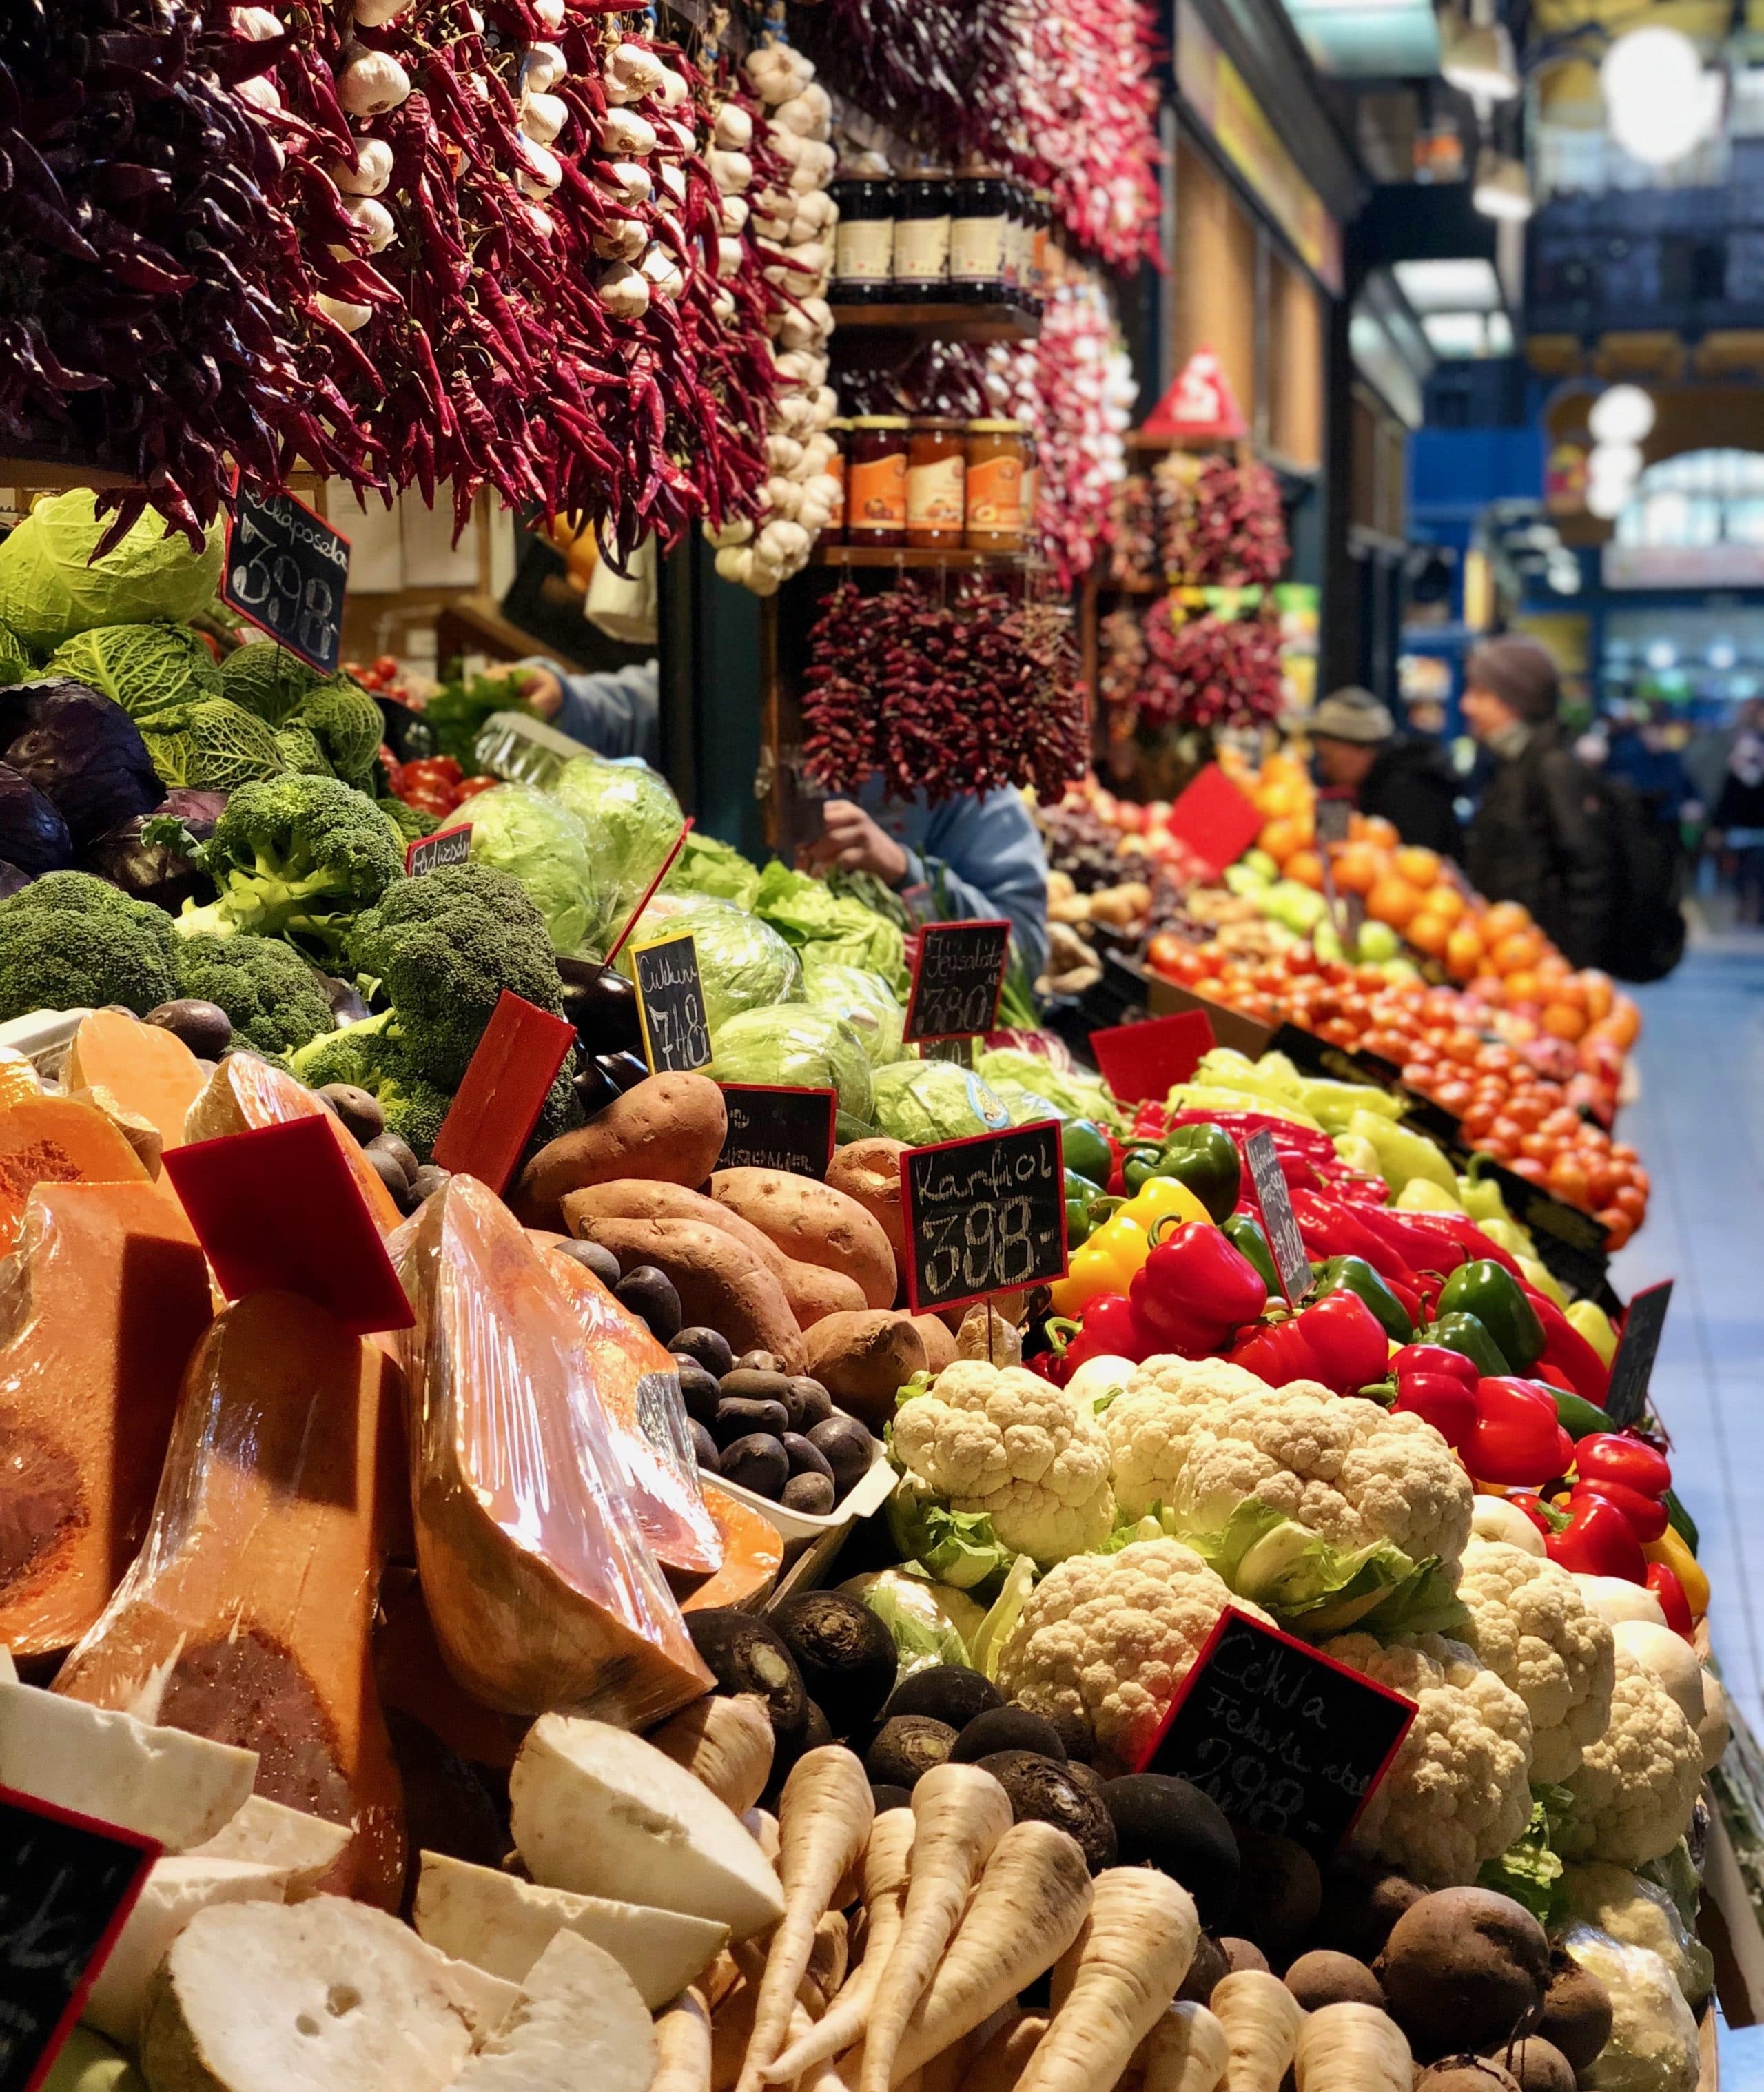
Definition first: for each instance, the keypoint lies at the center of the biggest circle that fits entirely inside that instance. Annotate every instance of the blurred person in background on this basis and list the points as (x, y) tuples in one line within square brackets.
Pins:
[(1641, 748), (1739, 813), (1541, 834), (1402, 778)]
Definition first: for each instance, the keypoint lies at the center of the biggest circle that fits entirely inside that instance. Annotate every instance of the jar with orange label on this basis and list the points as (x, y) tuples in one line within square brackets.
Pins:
[(997, 452), (875, 481), (937, 474), (839, 431)]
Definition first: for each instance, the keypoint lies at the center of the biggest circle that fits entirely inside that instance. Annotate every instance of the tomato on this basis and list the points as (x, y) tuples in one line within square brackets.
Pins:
[(1632, 1201), (1568, 1181)]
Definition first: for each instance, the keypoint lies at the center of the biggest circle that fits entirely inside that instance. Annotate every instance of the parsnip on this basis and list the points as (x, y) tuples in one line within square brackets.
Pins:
[(1030, 1906), (1261, 2019), (726, 1743), (887, 1859), (1112, 1985), (960, 1814), (1185, 2051), (829, 1957), (824, 1819), (1000, 2065), (1352, 2048), (683, 2046)]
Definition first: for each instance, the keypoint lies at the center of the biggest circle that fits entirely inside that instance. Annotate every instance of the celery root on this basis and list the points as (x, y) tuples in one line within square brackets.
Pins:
[(1352, 2048), (1185, 2051), (1261, 2019), (1113, 1984)]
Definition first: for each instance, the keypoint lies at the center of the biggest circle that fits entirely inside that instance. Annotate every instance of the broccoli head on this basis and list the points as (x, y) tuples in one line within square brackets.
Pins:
[(212, 744), (444, 948), (374, 1055), (295, 856), (411, 821), (70, 941), (268, 990)]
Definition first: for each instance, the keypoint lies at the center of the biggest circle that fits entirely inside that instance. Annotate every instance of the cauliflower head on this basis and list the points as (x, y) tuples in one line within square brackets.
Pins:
[(1348, 1471), (1636, 1787), (1152, 1423), (1639, 1913), (1530, 1625), (1652, 2045), (1004, 1441), (1457, 1793), (1109, 1638)]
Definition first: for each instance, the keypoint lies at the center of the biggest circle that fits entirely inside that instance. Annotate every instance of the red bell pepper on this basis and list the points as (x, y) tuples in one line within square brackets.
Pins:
[(1337, 1341), (1663, 1580), (1597, 1541), (1568, 1351), (1422, 1240), (1315, 1146), (1440, 1387), (1646, 1515), (1194, 1290), (1617, 1456), (1515, 1440), (1539, 1513), (1110, 1329), (1330, 1227)]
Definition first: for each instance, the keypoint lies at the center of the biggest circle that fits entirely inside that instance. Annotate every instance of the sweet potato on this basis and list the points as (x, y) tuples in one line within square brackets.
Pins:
[(721, 1283), (670, 1127), (814, 1223), (862, 1360), (811, 1291), (870, 1172)]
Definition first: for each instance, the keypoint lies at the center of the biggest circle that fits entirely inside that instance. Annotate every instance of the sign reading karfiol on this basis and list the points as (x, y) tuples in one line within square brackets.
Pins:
[(983, 1215)]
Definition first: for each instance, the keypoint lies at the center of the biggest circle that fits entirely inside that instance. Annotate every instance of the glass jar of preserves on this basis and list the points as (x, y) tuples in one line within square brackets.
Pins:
[(996, 453), (922, 235), (863, 251), (875, 481), (937, 476), (839, 430), (1040, 234), (979, 225)]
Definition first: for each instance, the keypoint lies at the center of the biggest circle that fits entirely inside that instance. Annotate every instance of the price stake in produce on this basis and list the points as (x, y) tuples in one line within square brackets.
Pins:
[(287, 570), (446, 846), (959, 975), (1638, 1346), (1275, 1199), (67, 1884), (498, 1104), (670, 1003), (983, 1215), (1146, 1061), (774, 1127), (1280, 1736)]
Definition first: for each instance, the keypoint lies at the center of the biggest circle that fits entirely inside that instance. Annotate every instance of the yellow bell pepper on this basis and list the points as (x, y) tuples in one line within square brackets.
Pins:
[(1159, 1198), (1670, 1548), (1595, 1324), (1106, 1263)]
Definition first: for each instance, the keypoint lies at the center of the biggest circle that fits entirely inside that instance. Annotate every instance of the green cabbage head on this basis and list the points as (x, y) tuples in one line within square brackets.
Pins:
[(924, 1101), (797, 1047), (528, 834), (212, 744), (145, 668), (631, 819), (51, 587), (863, 999), (743, 963)]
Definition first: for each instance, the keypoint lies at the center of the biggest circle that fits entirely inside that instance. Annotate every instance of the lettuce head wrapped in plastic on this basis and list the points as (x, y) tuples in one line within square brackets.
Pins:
[(631, 819), (797, 1047), (863, 999), (931, 1623), (528, 834), (743, 963), (924, 1101), (51, 587)]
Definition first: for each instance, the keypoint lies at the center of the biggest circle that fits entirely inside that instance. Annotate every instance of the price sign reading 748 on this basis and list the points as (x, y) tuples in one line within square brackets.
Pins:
[(983, 1215)]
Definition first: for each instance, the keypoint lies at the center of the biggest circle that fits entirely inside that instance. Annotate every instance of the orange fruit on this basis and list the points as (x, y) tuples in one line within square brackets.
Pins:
[(1420, 867), (1600, 994), (1375, 829), (1520, 986), (1393, 901), (1463, 952), (1518, 951), (1503, 919), (1429, 933), (1282, 837), (1562, 1020), (1357, 867), (1306, 867)]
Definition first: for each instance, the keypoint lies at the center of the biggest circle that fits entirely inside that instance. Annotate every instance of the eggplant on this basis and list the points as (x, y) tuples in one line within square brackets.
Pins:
[(602, 1005)]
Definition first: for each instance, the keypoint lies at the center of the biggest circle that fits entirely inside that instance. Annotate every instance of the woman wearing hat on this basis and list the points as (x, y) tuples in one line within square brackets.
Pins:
[(1404, 779)]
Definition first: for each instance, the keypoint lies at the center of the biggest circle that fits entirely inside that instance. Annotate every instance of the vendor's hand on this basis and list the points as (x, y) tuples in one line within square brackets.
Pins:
[(850, 838), (539, 689)]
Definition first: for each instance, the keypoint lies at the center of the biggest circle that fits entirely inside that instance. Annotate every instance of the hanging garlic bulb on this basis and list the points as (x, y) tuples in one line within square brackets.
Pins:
[(624, 134), (631, 183), (663, 272), (375, 220), (550, 14), (371, 176), (259, 94), (632, 73), (623, 291), (543, 68), (258, 25), (734, 213), (351, 318), (372, 84), (621, 240), (542, 116), (675, 92), (541, 171), (376, 14), (734, 128)]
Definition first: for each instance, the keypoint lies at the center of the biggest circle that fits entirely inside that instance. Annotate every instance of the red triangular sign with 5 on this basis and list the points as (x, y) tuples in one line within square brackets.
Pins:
[(1201, 402)]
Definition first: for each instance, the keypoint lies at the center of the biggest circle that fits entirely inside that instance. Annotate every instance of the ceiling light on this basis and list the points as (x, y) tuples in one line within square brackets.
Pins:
[(1455, 334), (1502, 187), (1465, 284), (1722, 653), (1477, 60), (1606, 499), (1660, 102), (1624, 414), (1617, 464), (1661, 654)]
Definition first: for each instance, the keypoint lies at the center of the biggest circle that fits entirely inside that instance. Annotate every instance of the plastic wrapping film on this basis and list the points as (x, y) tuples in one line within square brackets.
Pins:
[(540, 1587), (101, 1304), (634, 1385), (245, 1092), (248, 1614)]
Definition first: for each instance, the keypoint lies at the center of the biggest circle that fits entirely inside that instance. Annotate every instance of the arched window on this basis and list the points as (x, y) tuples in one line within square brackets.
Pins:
[(1699, 497)]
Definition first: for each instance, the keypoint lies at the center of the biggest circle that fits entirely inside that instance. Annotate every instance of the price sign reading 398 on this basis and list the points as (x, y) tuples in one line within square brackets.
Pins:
[(287, 570), (983, 1215)]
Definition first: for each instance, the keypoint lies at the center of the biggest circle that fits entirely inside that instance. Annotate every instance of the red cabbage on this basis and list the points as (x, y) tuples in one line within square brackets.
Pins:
[(33, 834), (151, 871), (82, 750)]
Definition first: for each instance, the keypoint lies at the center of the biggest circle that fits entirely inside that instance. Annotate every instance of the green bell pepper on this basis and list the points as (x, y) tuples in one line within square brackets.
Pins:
[(1244, 1234), (1137, 1163), (1489, 1291), (1079, 1191), (1206, 1160), (1353, 1274), (1463, 1333), (1679, 1520), (1577, 1416), (1087, 1150)]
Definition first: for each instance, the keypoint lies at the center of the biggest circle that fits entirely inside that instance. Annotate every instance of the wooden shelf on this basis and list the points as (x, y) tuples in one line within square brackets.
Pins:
[(956, 558), (950, 322)]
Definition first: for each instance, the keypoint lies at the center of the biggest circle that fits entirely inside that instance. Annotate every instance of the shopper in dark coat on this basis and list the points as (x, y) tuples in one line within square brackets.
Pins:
[(1542, 835), (1405, 779)]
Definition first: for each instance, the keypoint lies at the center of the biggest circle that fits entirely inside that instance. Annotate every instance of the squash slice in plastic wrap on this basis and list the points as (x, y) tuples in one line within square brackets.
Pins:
[(635, 1385), (248, 1615), (101, 1303), (541, 1591), (245, 1092)]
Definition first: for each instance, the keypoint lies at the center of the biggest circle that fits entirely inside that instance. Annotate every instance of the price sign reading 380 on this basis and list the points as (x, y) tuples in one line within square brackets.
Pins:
[(983, 1215)]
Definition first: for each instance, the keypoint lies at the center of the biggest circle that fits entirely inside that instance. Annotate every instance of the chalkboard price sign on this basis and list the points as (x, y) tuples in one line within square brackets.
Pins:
[(772, 1127), (1280, 1736), (446, 846), (958, 974), (66, 1885), (1633, 1368), (670, 1001), (287, 570), (983, 1215), (1275, 1200)]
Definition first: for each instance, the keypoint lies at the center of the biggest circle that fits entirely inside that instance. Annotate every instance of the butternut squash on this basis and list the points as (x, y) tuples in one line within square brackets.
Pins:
[(150, 1071), (101, 1306), (19, 1078), (413, 1680), (541, 1590), (753, 1554), (247, 1617), (53, 1140), (245, 1092)]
